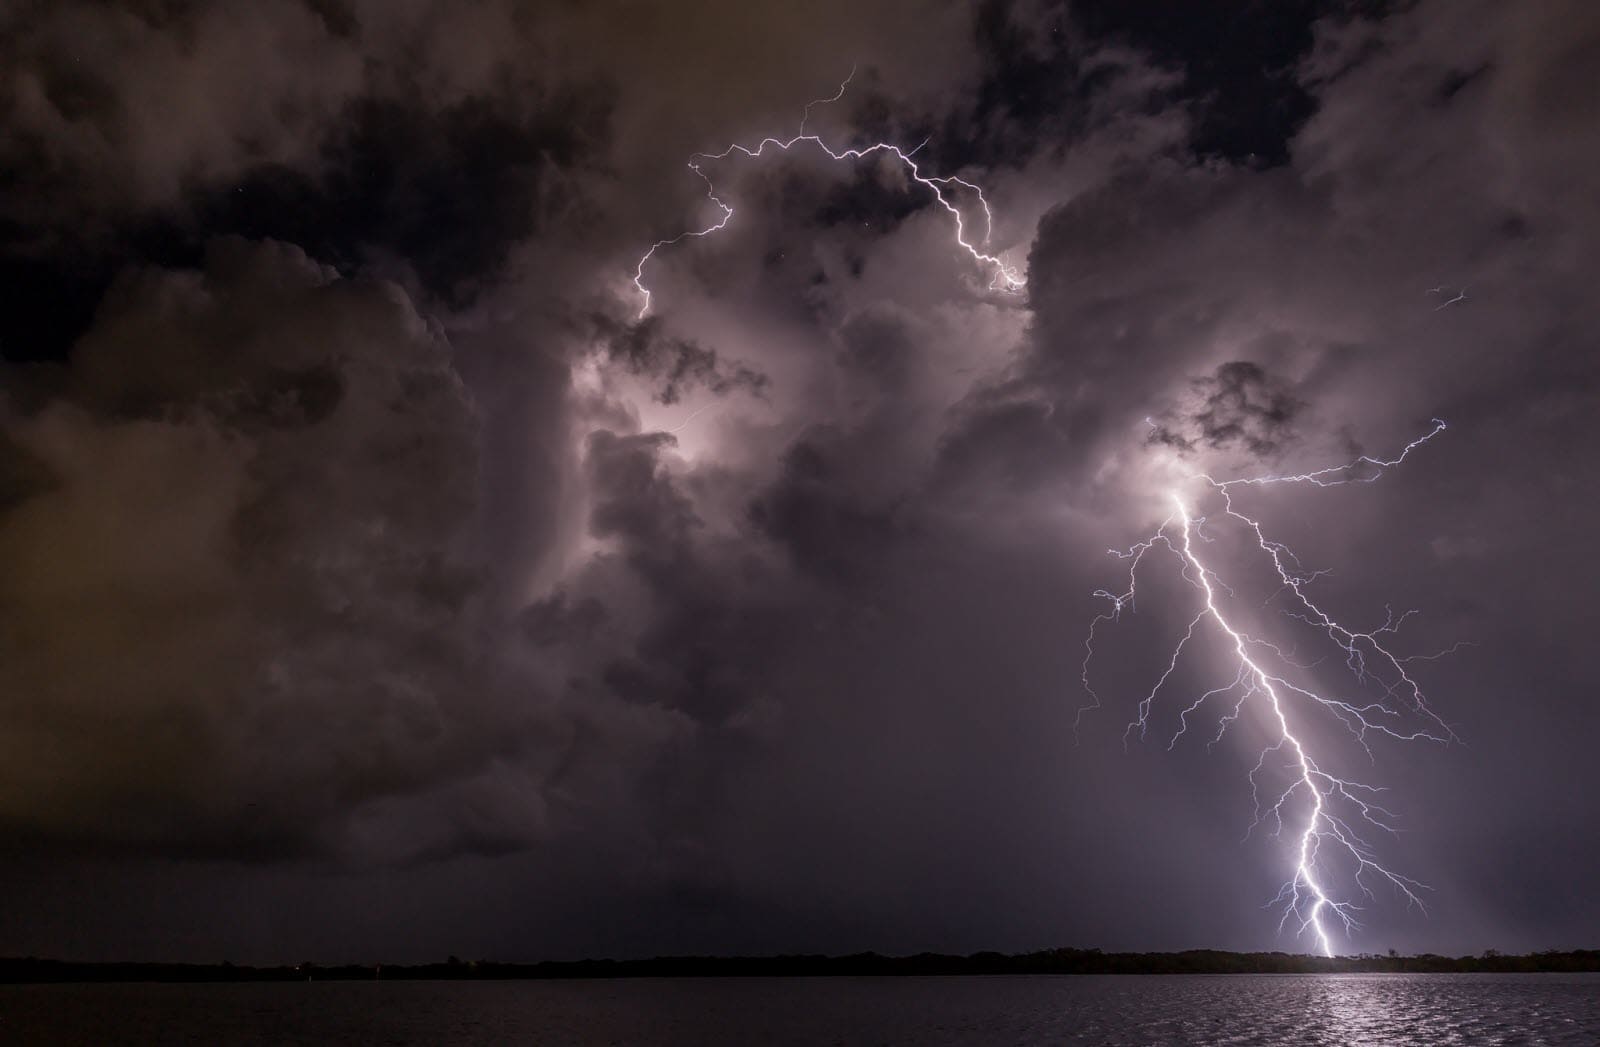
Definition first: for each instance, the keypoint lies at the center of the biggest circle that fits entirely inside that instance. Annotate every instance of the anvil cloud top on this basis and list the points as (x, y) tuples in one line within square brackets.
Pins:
[(433, 512)]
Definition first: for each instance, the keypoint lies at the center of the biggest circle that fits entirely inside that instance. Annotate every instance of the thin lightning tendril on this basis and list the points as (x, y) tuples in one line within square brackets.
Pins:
[(1336, 810), (1006, 277)]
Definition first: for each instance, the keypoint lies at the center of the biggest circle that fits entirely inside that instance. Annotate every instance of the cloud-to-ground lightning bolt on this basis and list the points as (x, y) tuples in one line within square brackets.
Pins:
[(1006, 277), (1334, 809)]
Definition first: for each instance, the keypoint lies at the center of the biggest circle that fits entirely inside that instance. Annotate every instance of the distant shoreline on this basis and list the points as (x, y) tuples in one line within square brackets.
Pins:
[(31, 970)]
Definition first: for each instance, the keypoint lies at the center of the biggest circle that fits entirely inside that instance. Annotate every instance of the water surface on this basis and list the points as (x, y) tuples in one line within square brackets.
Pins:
[(1365, 1009)]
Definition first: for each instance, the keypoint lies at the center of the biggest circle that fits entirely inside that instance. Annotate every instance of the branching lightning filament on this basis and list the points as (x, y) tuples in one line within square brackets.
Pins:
[(1328, 815), (1005, 277)]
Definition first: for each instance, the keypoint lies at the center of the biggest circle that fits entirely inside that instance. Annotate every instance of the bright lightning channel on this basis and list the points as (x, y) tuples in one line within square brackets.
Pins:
[(1332, 805), (1006, 277)]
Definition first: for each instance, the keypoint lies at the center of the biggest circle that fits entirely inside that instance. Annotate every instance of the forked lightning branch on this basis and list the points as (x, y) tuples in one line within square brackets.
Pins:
[(1329, 818)]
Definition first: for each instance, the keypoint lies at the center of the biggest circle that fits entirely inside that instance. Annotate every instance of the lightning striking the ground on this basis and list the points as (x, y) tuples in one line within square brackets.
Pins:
[(1292, 784), (1005, 276)]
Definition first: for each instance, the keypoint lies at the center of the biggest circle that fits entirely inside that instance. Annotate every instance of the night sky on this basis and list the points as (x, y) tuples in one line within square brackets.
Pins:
[(375, 584)]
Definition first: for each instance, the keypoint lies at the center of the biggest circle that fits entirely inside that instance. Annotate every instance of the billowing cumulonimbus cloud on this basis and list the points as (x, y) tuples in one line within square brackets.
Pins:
[(246, 597), (364, 536)]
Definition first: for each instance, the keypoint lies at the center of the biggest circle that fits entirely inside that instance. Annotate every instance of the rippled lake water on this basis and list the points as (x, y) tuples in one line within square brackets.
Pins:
[(1195, 1009)]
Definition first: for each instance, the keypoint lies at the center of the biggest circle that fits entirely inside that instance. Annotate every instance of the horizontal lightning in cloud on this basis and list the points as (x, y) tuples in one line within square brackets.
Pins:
[(1005, 277), (1330, 811)]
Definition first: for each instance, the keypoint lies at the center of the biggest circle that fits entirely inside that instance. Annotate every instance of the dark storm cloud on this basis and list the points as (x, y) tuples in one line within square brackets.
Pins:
[(826, 529), (1122, 319), (1241, 405), (255, 491), (401, 541), (445, 193), (1229, 68), (411, 155), (634, 499), (674, 366), (246, 599), (868, 201), (111, 111), (697, 631), (365, 164), (1006, 443), (1238, 59)]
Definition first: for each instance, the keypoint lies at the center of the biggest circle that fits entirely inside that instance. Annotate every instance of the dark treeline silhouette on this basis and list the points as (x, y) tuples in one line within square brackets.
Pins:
[(1052, 961)]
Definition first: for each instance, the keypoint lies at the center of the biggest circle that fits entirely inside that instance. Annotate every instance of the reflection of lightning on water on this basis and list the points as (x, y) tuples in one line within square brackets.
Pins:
[(1335, 810), (1005, 276)]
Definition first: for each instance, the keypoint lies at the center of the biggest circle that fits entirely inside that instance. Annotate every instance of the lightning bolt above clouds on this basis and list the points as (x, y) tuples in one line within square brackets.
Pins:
[(1292, 785), (1005, 277)]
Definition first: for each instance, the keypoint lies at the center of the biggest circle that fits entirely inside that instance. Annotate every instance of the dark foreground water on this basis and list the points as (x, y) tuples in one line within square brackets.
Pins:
[(1430, 1009)]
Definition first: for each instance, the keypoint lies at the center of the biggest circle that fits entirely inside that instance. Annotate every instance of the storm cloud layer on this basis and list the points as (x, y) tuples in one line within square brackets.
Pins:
[(366, 562)]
